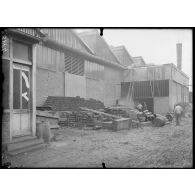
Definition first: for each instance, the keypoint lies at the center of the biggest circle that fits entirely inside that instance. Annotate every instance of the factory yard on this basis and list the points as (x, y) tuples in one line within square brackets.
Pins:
[(147, 147)]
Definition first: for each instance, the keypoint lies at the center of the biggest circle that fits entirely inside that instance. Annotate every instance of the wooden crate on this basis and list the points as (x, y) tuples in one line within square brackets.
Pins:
[(119, 124)]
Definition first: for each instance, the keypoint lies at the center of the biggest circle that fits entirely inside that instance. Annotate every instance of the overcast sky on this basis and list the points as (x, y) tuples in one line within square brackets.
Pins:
[(155, 46)]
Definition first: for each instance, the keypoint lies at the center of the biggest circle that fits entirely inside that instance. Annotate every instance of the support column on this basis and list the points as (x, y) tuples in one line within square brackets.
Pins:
[(34, 50), (11, 88)]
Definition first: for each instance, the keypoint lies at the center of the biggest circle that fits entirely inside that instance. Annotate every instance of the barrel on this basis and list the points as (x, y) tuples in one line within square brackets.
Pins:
[(159, 121), (45, 131), (38, 130)]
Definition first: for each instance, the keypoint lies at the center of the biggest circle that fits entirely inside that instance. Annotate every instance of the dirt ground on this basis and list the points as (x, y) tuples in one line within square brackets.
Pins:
[(147, 147)]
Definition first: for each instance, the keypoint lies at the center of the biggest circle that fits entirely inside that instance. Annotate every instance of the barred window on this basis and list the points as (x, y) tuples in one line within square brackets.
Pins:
[(73, 64)]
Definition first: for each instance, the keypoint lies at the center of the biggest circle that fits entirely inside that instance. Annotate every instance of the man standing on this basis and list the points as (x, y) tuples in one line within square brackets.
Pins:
[(145, 106), (140, 107), (178, 113)]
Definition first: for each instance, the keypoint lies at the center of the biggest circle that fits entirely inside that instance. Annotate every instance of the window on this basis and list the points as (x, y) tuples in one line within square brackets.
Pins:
[(22, 51), (73, 64)]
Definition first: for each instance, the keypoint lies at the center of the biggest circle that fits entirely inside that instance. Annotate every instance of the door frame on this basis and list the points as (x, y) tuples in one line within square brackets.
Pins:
[(32, 65)]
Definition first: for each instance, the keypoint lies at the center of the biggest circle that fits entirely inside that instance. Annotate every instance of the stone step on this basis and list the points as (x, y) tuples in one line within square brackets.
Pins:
[(23, 144), (27, 149), (54, 126), (22, 138)]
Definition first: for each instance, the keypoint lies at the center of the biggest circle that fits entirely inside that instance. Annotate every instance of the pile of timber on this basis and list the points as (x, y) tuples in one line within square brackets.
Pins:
[(101, 113), (62, 103), (116, 111), (115, 122), (77, 119)]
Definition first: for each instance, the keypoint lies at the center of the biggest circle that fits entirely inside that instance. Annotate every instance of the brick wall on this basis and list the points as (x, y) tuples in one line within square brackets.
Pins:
[(48, 83), (5, 128)]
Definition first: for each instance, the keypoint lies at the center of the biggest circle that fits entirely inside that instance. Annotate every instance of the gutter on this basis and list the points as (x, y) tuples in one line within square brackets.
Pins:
[(51, 43)]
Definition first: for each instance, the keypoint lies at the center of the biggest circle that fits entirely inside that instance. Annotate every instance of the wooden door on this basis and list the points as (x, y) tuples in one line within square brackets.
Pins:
[(21, 100)]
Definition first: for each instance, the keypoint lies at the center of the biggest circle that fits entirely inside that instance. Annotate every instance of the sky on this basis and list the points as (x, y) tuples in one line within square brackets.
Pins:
[(156, 46)]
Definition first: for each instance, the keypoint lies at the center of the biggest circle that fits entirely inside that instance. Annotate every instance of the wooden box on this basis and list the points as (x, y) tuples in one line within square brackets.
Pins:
[(119, 124)]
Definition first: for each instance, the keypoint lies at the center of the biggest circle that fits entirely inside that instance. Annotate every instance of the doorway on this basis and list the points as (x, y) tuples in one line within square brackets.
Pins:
[(149, 102)]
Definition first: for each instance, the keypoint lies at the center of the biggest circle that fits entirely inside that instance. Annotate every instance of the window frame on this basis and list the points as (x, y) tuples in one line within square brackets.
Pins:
[(29, 62)]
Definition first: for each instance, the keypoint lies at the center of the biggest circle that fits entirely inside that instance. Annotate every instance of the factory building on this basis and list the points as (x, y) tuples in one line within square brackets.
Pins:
[(38, 63), (160, 87)]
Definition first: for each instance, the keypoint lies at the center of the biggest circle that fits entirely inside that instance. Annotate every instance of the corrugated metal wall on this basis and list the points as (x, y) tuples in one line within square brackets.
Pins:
[(145, 89), (179, 93), (94, 70), (50, 59), (147, 73), (103, 83), (29, 31)]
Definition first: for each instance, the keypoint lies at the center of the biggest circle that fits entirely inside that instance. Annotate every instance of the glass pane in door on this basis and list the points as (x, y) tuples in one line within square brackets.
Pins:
[(25, 89), (16, 88)]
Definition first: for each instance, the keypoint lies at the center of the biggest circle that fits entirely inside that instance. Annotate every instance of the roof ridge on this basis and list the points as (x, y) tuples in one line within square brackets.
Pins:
[(82, 42)]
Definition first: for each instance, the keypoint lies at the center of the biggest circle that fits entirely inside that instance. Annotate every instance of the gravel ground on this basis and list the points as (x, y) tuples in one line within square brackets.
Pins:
[(147, 147)]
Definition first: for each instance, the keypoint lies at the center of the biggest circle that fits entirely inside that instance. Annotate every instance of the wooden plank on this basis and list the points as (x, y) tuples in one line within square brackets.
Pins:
[(101, 113)]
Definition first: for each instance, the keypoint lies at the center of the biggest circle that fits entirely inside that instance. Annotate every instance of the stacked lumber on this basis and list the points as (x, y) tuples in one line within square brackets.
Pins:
[(115, 123), (116, 111), (76, 119), (69, 110), (61, 103), (101, 113), (63, 120)]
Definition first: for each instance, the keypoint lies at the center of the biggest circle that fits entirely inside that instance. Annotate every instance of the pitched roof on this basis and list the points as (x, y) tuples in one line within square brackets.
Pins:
[(67, 37), (82, 42), (98, 45), (122, 54), (139, 61)]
